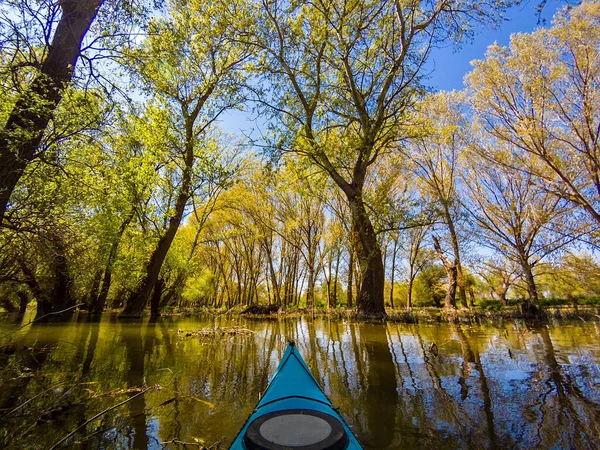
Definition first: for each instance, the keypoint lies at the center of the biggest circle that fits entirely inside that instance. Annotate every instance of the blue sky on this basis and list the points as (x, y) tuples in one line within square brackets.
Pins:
[(448, 65)]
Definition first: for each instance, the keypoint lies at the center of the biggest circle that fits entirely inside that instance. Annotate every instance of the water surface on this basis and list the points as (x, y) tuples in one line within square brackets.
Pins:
[(512, 386)]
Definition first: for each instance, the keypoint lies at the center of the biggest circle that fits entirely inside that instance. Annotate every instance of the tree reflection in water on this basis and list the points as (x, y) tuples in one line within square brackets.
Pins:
[(478, 387)]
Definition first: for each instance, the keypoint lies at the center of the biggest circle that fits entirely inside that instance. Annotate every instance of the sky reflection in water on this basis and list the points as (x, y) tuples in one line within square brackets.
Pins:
[(485, 387)]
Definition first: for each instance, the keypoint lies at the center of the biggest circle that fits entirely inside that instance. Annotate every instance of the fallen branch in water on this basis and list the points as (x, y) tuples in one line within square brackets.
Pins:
[(214, 331), (198, 444), (100, 414)]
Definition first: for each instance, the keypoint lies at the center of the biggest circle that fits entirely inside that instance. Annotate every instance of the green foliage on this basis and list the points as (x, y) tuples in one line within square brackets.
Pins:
[(429, 286), (490, 305)]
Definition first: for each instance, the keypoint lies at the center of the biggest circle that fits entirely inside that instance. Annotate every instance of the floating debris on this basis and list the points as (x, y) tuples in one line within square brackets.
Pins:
[(207, 332)]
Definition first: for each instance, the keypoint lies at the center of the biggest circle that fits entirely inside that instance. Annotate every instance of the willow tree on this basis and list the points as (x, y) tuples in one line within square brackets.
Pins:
[(42, 47), (435, 154), (541, 97), (515, 217), (340, 78), (190, 66)]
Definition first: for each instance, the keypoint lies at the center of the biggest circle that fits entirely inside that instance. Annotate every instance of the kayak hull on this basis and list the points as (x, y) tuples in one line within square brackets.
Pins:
[(293, 388)]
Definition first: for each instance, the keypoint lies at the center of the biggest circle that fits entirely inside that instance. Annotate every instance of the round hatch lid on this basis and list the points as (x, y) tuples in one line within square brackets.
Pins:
[(300, 429)]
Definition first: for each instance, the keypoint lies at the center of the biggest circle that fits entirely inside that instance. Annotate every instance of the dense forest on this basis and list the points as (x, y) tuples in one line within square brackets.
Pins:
[(359, 187)]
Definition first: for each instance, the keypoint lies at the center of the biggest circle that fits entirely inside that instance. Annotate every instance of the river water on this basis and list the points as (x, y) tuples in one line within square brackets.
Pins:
[(507, 386)]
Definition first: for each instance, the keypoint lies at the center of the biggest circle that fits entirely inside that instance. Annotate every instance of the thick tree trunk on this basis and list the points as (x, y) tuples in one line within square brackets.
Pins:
[(23, 301), (43, 303), (529, 280), (93, 296), (156, 296), (139, 298), (370, 301), (451, 273), (25, 126), (62, 292)]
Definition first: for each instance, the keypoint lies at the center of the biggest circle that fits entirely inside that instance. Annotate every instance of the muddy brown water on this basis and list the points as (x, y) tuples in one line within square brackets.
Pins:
[(479, 386)]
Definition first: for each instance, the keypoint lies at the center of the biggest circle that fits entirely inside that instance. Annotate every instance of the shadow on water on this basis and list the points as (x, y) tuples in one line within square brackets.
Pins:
[(399, 386)]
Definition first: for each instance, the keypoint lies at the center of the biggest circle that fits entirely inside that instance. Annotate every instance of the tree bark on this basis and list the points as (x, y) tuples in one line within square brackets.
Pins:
[(29, 118), (462, 291), (394, 252), (335, 279), (62, 292), (529, 280), (370, 301), (349, 299), (156, 295), (451, 272)]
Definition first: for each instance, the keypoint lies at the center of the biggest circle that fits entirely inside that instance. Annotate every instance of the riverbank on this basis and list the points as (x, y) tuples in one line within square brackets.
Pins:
[(416, 315), (585, 313)]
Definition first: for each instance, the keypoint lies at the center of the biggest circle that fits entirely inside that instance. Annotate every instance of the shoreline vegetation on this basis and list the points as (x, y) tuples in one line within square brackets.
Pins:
[(491, 312)]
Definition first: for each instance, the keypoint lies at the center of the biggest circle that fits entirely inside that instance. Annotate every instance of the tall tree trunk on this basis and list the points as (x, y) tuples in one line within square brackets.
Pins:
[(310, 288), (450, 267), (100, 302), (349, 299), (335, 279), (23, 301), (462, 291), (370, 301), (29, 118), (394, 252), (156, 295), (42, 300), (93, 296), (62, 296), (411, 280), (139, 298), (268, 251)]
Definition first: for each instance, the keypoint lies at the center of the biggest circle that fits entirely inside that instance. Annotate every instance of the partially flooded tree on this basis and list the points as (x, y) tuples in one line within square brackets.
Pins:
[(190, 65), (341, 78)]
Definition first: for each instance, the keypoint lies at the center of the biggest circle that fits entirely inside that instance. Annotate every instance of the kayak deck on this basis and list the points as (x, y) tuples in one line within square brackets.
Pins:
[(294, 413)]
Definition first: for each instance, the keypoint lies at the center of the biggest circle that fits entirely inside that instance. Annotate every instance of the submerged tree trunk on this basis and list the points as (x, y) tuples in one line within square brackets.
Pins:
[(29, 118), (370, 300), (139, 298)]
